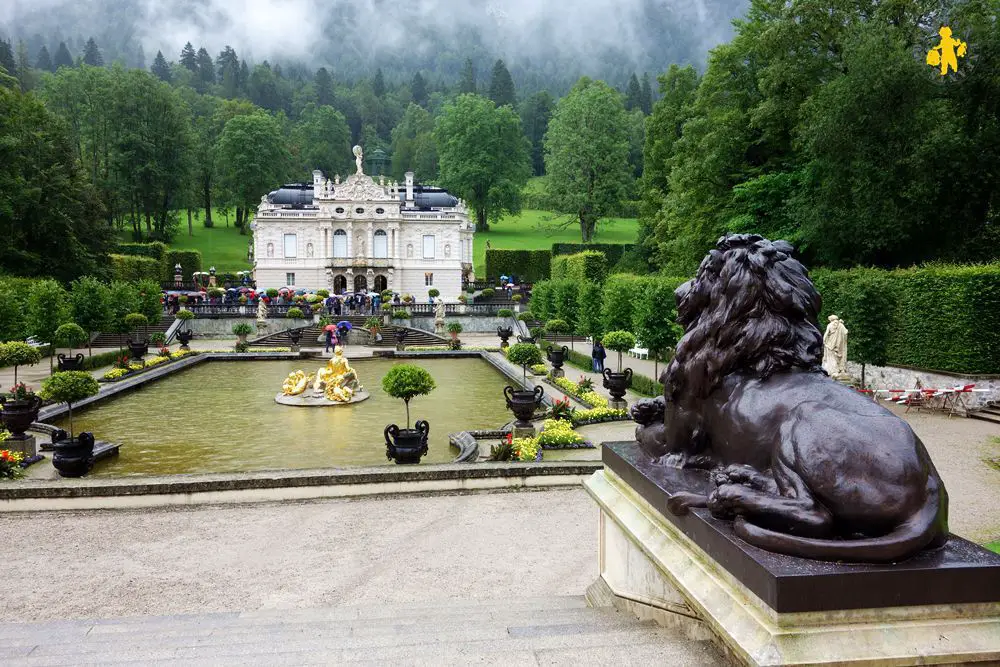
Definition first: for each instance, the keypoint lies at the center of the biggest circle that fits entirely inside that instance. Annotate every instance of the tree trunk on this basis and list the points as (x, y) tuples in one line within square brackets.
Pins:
[(241, 220), (586, 229), (207, 186), (481, 223), (190, 224)]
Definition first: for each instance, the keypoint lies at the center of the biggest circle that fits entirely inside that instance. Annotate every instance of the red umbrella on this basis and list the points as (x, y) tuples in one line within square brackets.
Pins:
[(330, 327)]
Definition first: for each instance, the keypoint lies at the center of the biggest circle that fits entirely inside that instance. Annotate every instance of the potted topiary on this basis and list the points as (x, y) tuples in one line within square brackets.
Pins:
[(487, 293), (242, 330), (72, 336), (407, 381), (523, 402), (454, 329), (137, 347), (185, 334), (20, 406), (618, 383), (433, 293), (73, 457), (386, 296), (294, 313)]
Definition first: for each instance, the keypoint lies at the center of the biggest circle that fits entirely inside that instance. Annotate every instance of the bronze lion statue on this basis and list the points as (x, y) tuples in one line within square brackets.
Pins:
[(804, 465)]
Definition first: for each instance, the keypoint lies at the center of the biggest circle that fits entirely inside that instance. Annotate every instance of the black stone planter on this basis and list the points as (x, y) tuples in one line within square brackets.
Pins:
[(526, 339), (70, 363), (20, 414), (74, 457), (617, 383), (295, 335), (400, 337), (185, 337), (137, 350), (505, 333), (406, 445), (557, 355), (523, 403)]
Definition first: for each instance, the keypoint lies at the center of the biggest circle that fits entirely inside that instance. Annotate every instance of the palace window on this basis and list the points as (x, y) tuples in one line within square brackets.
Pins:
[(429, 246), (359, 211), (340, 243), (340, 209), (290, 245), (428, 279), (289, 279), (381, 244), (380, 211)]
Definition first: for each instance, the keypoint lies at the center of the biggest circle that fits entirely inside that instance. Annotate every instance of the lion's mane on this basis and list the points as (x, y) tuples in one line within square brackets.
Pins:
[(750, 308)]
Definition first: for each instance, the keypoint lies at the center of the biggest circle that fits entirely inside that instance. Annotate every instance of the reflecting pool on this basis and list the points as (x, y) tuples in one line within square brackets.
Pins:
[(221, 417)]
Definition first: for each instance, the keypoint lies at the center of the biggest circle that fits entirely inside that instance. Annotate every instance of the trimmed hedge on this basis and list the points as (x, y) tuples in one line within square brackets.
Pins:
[(528, 265), (100, 360), (944, 318), (612, 251), (587, 265), (557, 268), (133, 268), (190, 261), (156, 250)]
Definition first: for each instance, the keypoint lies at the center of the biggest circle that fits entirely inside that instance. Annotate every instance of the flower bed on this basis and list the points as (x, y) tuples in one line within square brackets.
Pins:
[(559, 434), (598, 416), (445, 348), (589, 398), (135, 368), (10, 464)]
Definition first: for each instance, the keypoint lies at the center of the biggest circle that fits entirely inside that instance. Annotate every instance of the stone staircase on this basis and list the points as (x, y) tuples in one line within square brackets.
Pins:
[(538, 631), (358, 336), (118, 340), (989, 413)]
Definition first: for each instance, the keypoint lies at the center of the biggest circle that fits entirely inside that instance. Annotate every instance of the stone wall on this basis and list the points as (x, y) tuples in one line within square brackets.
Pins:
[(892, 377), (470, 323), (223, 328)]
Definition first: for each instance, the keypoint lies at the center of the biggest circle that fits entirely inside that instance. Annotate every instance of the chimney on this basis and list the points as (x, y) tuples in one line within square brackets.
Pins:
[(409, 188)]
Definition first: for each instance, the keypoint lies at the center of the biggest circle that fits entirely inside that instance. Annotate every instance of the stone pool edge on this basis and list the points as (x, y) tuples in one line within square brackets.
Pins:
[(284, 485)]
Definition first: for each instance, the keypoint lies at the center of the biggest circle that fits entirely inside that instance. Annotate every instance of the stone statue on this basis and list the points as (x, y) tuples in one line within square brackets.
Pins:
[(801, 464), (261, 314), (358, 159), (336, 179), (439, 316), (835, 348)]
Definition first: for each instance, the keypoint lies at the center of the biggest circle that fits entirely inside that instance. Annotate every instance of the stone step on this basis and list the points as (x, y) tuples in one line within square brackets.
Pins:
[(107, 339), (555, 630), (985, 416)]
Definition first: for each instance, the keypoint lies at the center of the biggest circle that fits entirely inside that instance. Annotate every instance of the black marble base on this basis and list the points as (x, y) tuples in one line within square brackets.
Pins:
[(960, 572)]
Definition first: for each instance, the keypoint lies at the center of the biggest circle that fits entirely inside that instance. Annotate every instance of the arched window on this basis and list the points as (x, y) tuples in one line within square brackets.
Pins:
[(381, 244), (340, 243)]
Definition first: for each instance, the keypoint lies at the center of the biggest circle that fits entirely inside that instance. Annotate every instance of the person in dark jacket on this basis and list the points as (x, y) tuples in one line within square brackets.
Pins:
[(598, 354)]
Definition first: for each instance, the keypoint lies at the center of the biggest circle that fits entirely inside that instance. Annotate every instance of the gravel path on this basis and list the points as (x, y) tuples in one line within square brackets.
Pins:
[(296, 555)]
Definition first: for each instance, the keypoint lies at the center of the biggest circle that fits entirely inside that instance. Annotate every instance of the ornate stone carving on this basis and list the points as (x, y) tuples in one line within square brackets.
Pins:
[(359, 187)]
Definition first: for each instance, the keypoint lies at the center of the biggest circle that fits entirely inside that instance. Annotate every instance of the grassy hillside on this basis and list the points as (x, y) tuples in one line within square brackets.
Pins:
[(225, 249)]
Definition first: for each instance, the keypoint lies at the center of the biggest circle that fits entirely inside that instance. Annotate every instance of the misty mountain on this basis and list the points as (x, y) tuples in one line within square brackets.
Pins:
[(543, 43)]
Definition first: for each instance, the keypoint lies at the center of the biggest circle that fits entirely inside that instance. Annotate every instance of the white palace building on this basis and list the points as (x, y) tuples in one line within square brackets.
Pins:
[(359, 235)]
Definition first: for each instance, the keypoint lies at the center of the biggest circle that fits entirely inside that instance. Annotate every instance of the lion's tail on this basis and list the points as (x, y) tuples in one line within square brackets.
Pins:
[(914, 534)]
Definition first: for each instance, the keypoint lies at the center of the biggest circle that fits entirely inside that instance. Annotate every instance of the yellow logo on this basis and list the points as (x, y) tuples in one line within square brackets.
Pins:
[(947, 52)]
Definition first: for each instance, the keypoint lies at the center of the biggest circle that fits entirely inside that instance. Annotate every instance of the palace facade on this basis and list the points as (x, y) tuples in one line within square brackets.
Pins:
[(361, 235)]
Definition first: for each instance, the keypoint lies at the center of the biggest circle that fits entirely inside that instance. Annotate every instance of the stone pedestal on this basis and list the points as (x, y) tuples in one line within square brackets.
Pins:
[(617, 404), (653, 569), (558, 373), (400, 347), (24, 444), (295, 348), (524, 432)]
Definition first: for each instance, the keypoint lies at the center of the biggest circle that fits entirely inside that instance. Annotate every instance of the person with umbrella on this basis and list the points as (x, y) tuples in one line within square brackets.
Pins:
[(342, 328), (330, 330)]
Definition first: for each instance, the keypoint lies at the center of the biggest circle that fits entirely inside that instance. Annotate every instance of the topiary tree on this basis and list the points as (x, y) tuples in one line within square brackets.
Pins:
[(433, 293), (71, 335), (295, 313), (69, 387), (556, 326), (455, 328), (135, 320), (322, 293), (407, 381), (505, 312), (524, 355), (185, 316), (272, 293), (386, 295), (18, 354), (124, 298), (151, 300), (619, 341)]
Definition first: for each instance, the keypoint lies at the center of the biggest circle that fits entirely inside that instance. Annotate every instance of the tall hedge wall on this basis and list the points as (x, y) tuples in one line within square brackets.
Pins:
[(943, 318), (587, 265), (557, 269), (528, 265), (190, 261), (133, 268), (613, 251), (157, 249)]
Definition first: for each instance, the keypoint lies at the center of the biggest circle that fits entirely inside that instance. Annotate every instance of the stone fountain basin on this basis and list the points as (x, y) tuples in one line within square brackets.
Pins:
[(309, 400)]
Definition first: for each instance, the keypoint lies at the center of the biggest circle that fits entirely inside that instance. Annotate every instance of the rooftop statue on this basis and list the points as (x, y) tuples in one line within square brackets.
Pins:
[(358, 159), (802, 464)]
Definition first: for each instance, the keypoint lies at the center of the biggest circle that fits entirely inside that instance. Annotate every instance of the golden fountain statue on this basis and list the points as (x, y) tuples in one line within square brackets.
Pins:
[(334, 384)]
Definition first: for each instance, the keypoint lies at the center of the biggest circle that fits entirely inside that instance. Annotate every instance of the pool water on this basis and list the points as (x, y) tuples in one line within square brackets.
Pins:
[(221, 417)]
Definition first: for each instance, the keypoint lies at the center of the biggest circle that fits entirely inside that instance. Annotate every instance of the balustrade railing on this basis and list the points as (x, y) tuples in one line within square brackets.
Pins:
[(223, 310)]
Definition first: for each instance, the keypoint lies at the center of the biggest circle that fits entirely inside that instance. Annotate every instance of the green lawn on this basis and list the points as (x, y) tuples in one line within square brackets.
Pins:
[(536, 230), (994, 546), (224, 248)]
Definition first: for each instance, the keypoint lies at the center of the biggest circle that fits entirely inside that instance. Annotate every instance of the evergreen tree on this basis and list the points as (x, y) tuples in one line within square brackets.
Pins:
[(418, 88), (25, 74), (535, 114), (63, 58), (502, 86), (92, 55), (7, 60), (206, 68), (160, 67), (229, 72), (647, 95), (324, 87), (467, 83), (44, 60), (633, 94), (378, 84), (188, 57), (244, 76)]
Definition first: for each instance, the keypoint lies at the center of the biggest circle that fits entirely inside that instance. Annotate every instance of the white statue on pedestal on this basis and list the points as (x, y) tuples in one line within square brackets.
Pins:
[(835, 348), (261, 314), (358, 157), (439, 316)]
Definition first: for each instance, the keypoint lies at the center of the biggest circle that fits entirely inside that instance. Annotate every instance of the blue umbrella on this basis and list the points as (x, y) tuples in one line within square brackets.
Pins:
[(344, 324)]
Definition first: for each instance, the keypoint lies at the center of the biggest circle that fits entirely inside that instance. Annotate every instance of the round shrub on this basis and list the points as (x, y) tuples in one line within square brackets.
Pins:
[(216, 293), (294, 313), (524, 354), (386, 295), (517, 298), (322, 293), (433, 292), (69, 387), (505, 312), (184, 314), (526, 316), (182, 298), (158, 338), (71, 335), (400, 314), (455, 328), (487, 293), (244, 329), (407, 381), (272, 293), (619, 341), (17, 354), (135, 320), (556, 326)]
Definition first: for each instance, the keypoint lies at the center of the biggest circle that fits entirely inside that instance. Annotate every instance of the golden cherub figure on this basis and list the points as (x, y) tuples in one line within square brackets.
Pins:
[(295, 383), (947, 52)]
